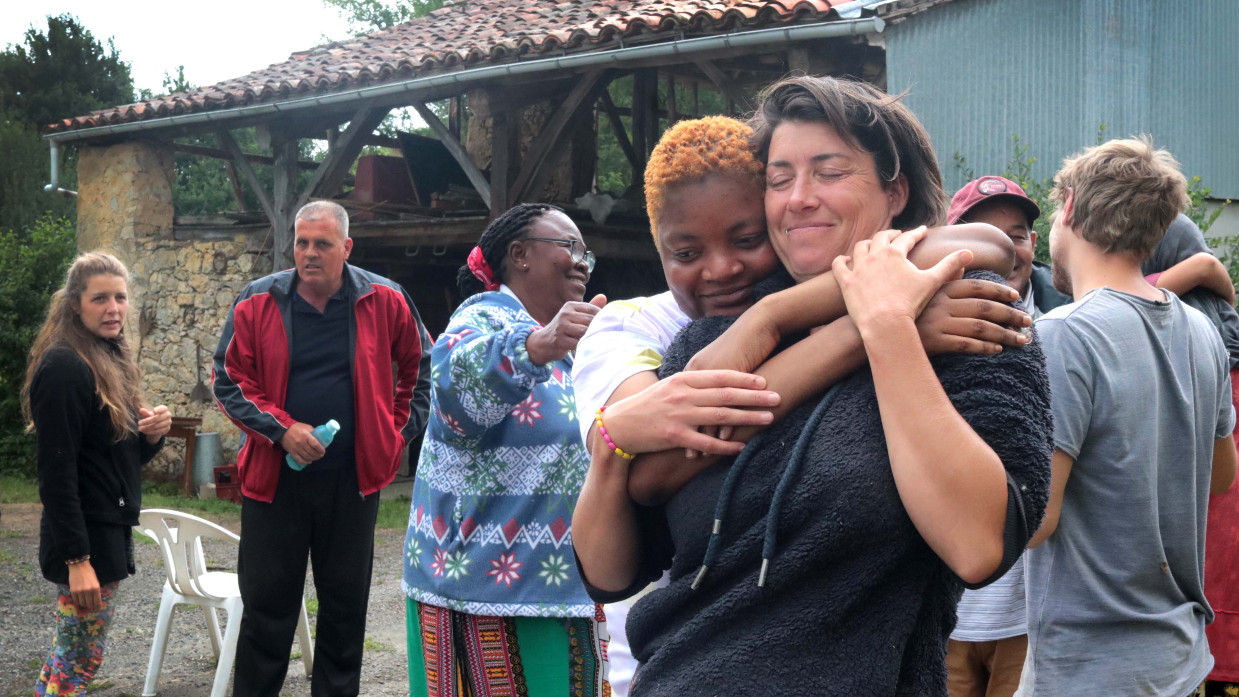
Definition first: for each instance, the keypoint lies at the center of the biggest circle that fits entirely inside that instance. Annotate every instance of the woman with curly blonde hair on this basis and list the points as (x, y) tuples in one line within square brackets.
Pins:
[(82, 397)]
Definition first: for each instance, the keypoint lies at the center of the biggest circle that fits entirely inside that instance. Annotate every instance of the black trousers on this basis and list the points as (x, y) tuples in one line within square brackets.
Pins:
[(320, 515)]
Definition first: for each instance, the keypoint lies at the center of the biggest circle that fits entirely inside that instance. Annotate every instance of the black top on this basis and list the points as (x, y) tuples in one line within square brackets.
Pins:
[(855, 602), (320, 376), (1182, 240), (90, 484)]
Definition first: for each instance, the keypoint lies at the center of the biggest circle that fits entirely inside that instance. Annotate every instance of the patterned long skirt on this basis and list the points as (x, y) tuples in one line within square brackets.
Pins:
[(455, 654), (77, 648)]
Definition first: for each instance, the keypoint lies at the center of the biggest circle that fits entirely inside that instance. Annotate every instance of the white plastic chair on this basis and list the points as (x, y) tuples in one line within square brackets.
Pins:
[(180, 536)]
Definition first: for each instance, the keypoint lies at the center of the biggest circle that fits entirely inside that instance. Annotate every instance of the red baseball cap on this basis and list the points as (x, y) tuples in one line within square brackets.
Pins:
[(988, 188)]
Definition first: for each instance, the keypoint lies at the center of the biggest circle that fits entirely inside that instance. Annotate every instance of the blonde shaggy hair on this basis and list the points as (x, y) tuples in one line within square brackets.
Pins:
[(1126, 194), (693, 150), (117, 379)]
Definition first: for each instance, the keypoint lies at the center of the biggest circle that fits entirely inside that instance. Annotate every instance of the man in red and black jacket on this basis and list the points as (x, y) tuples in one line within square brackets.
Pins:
[(302, 347)]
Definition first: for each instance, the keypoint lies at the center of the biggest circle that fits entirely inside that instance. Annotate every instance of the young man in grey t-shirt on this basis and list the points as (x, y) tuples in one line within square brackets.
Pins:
[(1142, 436)]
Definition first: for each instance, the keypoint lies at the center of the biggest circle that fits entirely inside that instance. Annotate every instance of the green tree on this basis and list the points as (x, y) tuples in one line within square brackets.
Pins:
[(24, 168), (34, 261), (201, 185), (367, 16), (1019, 169), (62, 73), (52, 75)]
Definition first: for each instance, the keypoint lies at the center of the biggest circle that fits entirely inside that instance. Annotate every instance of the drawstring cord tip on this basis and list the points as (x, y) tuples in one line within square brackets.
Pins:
[(761, 578), (701, 574)]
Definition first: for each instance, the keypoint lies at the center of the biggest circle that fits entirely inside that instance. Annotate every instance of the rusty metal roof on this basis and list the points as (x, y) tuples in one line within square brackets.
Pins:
[(468, 34)]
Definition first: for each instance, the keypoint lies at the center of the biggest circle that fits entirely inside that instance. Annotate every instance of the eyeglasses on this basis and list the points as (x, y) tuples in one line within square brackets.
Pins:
[(576, 248)]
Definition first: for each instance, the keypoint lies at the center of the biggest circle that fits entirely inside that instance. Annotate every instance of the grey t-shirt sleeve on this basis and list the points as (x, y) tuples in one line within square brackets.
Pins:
[(1071, 370), (1226, 409)]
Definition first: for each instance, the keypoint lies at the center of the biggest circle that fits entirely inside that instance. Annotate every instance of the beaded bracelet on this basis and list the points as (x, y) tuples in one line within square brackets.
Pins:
[(77, 560), (610, 443)]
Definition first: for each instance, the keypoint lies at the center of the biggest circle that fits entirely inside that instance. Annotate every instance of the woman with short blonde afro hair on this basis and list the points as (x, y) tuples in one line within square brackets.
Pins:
[(692, 150)]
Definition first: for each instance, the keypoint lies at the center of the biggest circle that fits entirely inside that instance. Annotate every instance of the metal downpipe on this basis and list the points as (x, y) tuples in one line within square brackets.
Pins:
[(54, 186)]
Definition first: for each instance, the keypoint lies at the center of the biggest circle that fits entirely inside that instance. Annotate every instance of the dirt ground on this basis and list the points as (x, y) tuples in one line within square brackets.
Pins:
[(28, 606)]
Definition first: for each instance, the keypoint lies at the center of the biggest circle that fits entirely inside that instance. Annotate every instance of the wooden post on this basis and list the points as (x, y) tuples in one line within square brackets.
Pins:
[(696, 103), (617, 127), (585, 154), (672, 108), (455, 112), (284, 200), (798, 60), (644, 117), (504, 154)]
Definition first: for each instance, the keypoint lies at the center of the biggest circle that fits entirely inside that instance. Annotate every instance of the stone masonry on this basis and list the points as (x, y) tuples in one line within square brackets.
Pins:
[(181, 289)]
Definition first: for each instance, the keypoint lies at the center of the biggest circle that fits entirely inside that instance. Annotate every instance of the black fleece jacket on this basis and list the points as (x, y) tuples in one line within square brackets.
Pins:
[(90, 484), (855, 601)]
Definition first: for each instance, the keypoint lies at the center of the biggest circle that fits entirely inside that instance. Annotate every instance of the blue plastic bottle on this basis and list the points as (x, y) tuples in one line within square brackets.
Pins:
[(324, 434)]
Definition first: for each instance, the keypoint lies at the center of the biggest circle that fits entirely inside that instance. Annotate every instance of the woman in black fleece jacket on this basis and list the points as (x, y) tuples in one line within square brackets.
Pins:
[(841, 537), (83, 400)]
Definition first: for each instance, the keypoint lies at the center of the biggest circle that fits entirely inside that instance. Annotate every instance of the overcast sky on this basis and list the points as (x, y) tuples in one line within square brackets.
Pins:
[(214, 40)]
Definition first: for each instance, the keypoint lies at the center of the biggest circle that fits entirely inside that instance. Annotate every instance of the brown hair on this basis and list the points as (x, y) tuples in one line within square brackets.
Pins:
[(692, 150), (1126, 194), (867, 119), (117, 380)]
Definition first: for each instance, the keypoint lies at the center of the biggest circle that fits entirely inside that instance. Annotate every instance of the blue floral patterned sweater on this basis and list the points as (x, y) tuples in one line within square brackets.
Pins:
[(490, 526)]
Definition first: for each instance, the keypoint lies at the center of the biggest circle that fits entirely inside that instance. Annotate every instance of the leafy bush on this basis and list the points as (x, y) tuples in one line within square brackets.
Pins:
[(34, 261), (1019, 169)]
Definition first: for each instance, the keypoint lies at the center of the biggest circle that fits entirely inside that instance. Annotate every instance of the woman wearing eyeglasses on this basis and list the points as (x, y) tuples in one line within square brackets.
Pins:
[(495, 601)]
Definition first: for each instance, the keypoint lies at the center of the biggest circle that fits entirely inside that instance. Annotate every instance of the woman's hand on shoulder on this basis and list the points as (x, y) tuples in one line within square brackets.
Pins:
[(881, 287), (154, 423), (668, 414), (563, 332), (969, 316)]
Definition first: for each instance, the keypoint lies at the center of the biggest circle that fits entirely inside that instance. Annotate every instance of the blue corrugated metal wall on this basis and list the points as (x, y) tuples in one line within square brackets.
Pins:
[(979, 71)]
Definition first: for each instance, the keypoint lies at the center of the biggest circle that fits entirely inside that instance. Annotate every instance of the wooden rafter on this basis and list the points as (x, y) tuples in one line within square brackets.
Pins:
[(341, 154), (617, 126), (225, 155), (452, 143), (229, 144), (235, 182), (579, 98), (724, 84)]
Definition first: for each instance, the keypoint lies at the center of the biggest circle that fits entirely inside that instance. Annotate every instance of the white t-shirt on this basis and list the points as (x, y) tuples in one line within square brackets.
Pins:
[(625, 338)]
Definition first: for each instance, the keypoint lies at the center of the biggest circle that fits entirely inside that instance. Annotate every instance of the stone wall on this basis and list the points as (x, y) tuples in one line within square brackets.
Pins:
[(181, 289)]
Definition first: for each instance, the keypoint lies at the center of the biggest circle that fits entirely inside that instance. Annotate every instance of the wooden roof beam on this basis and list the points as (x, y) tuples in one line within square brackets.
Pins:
[(452, 143), (243, 164), (583, 95), (617, 126), (342, 153), (725, 85)]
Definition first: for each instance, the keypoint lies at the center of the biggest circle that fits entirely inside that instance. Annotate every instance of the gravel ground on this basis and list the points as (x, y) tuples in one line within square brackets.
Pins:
[(28, 606)]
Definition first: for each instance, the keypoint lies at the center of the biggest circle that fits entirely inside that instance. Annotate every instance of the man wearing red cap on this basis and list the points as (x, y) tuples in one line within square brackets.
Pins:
[(986, 652), (1003, 204)]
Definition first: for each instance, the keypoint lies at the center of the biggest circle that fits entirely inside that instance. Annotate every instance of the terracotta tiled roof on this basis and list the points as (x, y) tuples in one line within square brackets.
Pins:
[(464, 35)]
